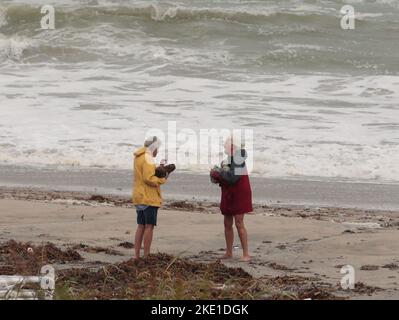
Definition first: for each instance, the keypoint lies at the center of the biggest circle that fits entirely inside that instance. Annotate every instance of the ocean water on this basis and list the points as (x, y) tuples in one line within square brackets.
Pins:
[(322, 102)]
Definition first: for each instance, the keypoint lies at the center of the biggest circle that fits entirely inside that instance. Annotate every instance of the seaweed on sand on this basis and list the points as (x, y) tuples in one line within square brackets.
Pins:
[(27, 259), (160, 276)]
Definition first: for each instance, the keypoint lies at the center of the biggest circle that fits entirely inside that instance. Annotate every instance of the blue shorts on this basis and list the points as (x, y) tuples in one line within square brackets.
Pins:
[(147, 215)]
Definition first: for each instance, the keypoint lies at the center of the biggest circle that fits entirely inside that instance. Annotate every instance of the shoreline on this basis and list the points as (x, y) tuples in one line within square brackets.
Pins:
[(183, 186), (93, 199)]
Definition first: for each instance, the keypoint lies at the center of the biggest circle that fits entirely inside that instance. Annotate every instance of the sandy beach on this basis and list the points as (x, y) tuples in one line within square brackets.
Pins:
[(298, 241)]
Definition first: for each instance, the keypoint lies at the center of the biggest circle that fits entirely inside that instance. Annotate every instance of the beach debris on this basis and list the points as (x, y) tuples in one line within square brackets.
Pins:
[(223, 286), (167, 277), (26, 258), (277, 266), (207, 252), (296, 287), (127, 245), (86, 248), (362, 288), (181, 205), (303, 215), (369, 267), (159, 276), (366, 225), (391, 266), (43, 235), (97, 198)]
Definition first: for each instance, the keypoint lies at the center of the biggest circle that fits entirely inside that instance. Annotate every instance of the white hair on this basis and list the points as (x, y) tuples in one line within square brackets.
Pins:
[(153, 143), (236, 141)]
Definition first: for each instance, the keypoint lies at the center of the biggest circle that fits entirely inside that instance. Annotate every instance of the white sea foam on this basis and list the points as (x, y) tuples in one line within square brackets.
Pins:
[(321, 104), (303, 134), (13, 48), (3, 17)]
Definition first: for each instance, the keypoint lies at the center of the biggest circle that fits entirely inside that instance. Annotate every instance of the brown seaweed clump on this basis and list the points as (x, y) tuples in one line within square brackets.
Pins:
[(27, 259), (163, 276), (160, 276)]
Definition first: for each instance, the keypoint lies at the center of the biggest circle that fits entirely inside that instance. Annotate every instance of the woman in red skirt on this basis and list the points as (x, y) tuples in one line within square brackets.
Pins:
[(236, 198)]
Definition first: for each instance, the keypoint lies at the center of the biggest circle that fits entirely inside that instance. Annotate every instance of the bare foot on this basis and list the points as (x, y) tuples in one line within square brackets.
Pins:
[(245, 259), (136, 258), (226, 257)]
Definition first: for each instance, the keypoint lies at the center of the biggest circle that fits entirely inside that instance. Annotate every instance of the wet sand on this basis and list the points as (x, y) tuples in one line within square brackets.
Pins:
[(183, 186), (310, 242)]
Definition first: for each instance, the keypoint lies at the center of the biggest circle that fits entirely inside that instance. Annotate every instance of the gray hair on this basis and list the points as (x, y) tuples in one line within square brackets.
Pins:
[(153, 143), (236, 141)]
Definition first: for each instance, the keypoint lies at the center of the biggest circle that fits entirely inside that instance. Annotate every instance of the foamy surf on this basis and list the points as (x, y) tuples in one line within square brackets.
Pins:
[(322, 101), (3, 19), (13, 48)]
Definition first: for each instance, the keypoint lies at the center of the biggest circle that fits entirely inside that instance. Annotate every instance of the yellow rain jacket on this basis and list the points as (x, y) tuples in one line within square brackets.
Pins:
[(147, 189)]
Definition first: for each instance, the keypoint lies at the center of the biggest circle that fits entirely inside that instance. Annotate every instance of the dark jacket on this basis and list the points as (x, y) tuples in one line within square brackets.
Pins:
[(236, 188)]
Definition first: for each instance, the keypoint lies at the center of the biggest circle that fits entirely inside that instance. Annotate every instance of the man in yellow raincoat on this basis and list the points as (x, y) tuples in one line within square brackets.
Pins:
[(146, 194)]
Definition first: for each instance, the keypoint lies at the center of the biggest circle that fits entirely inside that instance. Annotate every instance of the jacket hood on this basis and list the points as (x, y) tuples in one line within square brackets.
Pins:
[(241, 153), (140, 151), (239, 158)]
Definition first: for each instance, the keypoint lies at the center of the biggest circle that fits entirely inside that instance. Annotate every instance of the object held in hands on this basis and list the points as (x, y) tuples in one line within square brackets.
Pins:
[(214, 175), (164, 170)]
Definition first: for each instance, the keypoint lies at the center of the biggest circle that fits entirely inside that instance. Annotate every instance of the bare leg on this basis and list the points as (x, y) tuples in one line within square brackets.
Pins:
[(148, 232), (242, 233), (229, 234), (138, 240)]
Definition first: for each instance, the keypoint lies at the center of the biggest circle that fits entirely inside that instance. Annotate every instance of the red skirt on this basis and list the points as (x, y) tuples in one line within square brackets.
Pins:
[(237, 198)]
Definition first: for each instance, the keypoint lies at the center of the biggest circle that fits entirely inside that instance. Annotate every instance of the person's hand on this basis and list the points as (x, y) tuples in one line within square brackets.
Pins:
[(215, 177)]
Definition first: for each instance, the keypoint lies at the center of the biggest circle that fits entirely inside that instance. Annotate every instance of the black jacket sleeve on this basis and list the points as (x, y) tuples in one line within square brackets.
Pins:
[(230, 175)]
